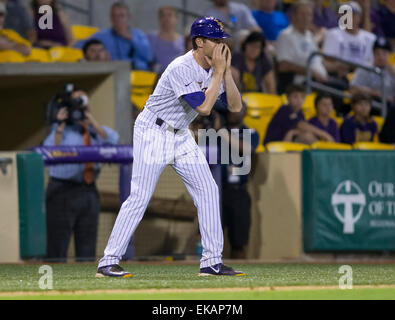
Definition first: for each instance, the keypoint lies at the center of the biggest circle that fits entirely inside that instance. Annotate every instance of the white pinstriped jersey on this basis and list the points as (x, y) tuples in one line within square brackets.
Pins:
[(183, 76)]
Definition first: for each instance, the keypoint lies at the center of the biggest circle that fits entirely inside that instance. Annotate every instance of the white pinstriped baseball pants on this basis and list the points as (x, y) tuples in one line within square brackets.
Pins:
[(155, 147)]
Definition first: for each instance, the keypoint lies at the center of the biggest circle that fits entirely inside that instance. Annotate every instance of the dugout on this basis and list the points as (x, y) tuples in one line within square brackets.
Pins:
[(26, 88)]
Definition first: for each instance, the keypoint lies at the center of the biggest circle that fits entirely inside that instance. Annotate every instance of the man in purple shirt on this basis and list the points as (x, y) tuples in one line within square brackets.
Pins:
[(166, 43), (324, 108), (360, 127), (288, 123)]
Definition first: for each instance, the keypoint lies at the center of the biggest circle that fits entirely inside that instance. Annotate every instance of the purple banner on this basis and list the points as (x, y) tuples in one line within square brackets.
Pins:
[(80, 154)]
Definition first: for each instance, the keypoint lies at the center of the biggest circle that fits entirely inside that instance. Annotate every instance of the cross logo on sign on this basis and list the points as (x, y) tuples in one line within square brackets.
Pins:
[(349, 197)]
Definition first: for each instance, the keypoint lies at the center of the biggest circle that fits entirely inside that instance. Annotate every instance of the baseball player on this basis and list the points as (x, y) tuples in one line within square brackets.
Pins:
[(189, 86)]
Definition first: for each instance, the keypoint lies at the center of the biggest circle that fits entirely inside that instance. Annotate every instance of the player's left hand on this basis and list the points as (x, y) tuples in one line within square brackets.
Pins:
[(228, 54), (228, 58)]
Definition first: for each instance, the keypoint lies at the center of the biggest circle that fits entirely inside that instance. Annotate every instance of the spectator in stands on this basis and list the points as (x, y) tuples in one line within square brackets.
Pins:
[(288, 123), (353, 45), (360, 127), (236, 201), (94, 51), (236, 16), (383, 20), (324, 109), (271, 21), (251, 68), (188, 43), (60, 34), (72, 200), (166, 43), (294, 46), (324, 18), (9, 39), (370, 83), (123, 42), (19, 19), (387, 134), (366, 22)]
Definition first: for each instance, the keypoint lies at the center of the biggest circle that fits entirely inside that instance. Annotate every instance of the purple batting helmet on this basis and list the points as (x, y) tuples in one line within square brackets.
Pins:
[(208, 27)]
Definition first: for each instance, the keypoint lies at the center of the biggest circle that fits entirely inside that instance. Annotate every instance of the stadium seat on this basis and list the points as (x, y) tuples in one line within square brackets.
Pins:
[(324, 145), (339, 121), (373, 146), (10, 56), (65, 54), (142, 83), (260, 110), (39, 55), (379, 121), (259, 124), (308, 106), (83, 32), (260, 149), (261, 104), (392, 59), (350, 76), (285, 146)]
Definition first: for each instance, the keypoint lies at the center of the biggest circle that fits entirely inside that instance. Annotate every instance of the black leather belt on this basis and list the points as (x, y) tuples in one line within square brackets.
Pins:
[(159, 122)]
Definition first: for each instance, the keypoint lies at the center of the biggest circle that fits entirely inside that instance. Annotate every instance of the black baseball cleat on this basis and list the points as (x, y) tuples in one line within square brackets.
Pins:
[(114, 270), (219, 270)]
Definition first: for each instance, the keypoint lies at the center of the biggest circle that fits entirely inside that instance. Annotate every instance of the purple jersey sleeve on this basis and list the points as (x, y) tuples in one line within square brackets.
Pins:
[(194, 99)]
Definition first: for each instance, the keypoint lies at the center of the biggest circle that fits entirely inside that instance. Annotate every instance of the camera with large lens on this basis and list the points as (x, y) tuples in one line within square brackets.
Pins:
[(75, 106)]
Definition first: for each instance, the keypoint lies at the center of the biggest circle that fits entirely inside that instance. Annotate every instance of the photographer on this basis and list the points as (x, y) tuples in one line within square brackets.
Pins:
[(72, 199)]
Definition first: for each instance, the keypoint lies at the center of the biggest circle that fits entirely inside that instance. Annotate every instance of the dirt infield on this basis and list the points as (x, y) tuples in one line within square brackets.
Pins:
[(148, 291)]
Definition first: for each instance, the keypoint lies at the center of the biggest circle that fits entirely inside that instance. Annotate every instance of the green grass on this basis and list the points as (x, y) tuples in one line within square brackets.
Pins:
[(71, 277), (333, 294)]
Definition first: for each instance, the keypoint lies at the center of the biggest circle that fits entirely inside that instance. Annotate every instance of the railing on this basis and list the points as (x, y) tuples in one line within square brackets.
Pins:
[(311, 84)]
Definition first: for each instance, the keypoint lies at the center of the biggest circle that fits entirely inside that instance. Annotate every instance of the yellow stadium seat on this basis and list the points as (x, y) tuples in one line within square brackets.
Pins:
[(65, 54), (83, 32), (330, 145), (10, 56), (282, 146), (39, 55), (350, 76), (308, 106), (339, 121), (379, 121), (260, 149), (373, 146), (142, 83), (261, 104), (392, 59), (259, 124)]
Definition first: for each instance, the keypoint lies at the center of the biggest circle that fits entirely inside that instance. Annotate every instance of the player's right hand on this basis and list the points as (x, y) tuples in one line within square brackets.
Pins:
[(218, 59)]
